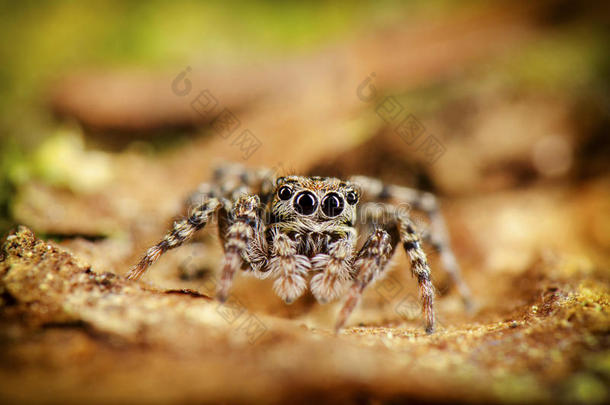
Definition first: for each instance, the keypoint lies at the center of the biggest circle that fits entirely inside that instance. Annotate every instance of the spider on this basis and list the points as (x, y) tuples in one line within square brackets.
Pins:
[(304, 231)]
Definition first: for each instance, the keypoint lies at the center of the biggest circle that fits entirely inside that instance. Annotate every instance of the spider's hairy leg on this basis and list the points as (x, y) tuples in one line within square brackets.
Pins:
[(333, 269), (419, 267), (230, 180), (402, 228), (243, 221), (370, 263), (234, 179), (258, 251), (438, 236), (289, 267), (203, 192), (181, 231), (439, 239)]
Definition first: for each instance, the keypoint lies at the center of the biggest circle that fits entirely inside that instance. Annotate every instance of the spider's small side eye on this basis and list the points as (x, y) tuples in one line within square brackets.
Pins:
[(284, 193), (332, 205), (352, 198)]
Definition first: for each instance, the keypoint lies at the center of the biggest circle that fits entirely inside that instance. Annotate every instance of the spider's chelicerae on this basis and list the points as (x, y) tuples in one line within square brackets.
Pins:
[(304, 231)]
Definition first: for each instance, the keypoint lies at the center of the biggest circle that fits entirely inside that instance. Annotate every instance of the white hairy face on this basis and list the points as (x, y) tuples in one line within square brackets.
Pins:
[(315, 204)]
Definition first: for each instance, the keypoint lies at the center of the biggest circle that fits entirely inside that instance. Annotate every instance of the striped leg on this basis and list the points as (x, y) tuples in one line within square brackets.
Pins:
[(235, 179), (419, 267), (182, 231), (230, 181), (400, 226), (439, 239), (243, 220), (370, 263), (438, 236)]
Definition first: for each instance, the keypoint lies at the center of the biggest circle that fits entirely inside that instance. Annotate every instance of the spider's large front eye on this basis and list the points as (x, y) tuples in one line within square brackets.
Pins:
[(305, 203), (332, 205), (284, 193)]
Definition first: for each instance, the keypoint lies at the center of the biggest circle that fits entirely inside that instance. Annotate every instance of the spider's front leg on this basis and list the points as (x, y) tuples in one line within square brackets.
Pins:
[(438, 236), (244, 223), (419, 267), (370, 263), (374, 256), (181, 231)]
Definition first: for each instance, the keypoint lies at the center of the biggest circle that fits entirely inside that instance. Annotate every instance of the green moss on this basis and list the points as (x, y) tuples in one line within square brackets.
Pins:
[(569, 60), (10, 155), (586, 389), (599, 363), (61, 160), (572, 62), (519, 389)]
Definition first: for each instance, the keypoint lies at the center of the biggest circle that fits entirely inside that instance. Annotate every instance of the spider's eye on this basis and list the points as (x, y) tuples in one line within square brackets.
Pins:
[(332, 205), (352, 198), (284, 193), (305, 203)]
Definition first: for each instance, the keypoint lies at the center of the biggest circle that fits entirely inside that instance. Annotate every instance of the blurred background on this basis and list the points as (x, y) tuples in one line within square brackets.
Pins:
[(509, 94), (111, 112)]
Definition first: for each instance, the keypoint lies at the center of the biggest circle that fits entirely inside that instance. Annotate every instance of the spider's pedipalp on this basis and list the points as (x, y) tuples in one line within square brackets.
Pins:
[(333, 270), (181, 231), (289, 267)]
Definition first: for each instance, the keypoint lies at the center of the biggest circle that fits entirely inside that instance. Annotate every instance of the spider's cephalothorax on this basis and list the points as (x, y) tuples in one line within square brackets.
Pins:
[(303, 231)]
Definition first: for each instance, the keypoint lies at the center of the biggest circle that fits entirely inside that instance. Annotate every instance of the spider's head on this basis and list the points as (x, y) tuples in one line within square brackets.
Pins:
[(318, 199)]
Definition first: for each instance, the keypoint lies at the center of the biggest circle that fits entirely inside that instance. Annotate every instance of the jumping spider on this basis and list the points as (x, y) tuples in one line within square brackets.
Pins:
[(303, 230)]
